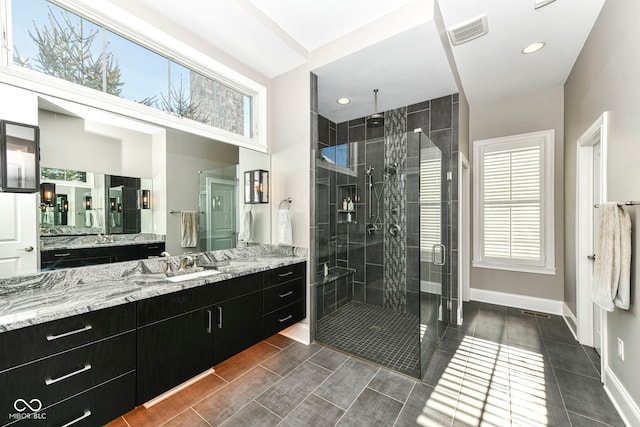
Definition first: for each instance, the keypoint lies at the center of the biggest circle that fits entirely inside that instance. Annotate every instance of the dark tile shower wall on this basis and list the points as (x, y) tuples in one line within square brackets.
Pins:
[(387, 269)]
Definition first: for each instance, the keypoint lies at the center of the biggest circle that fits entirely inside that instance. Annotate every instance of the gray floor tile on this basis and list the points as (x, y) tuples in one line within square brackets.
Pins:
[(231, 398), (556, 329), (491, 331), (329, 358), (347, 382), (371, 409), (570, 358), (524, 334), (394, 385), (287, 393), (580, 421), (187, 418), (593, 356), (586, 396), (313, 411), (289, 358), (253, 415), (452, 339), (422, 409)]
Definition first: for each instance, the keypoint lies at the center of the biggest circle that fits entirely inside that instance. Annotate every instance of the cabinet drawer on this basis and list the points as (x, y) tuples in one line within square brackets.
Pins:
[(92, 408), (165, 306), (287, 273), (278, 320), (59, 255), (34, 342), (239, 286), (279, 296), (58, 377)]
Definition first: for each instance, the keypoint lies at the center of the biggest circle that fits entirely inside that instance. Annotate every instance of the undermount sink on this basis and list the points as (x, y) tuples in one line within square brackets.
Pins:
[(189, 276)]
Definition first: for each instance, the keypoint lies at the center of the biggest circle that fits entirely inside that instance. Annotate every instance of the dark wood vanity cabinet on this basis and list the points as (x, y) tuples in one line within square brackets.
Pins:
[(237, 315), (80, 368), (63, 258), (284, 298)]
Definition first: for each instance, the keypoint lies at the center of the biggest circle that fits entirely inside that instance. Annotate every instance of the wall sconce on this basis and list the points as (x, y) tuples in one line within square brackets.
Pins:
[(256, 186), (119, 207), (19, 162), (47, 193), (144, 199), (87, 203), (113, 203), (65, 206)]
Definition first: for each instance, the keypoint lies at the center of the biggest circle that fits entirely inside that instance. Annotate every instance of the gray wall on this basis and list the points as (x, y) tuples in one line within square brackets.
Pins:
[(606, 78), (528, 113)]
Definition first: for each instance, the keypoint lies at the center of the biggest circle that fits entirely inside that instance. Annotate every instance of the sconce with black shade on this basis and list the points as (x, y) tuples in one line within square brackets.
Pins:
[(19, 157), (144, 199), (256, 186), (47, 193), (113, 203), (87, 203), (65, 206)]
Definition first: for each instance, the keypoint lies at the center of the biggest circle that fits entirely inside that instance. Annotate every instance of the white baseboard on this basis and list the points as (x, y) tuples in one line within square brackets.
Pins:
[(568, 314), (624, 404), (299, 332), (431, 287), (541, 305)]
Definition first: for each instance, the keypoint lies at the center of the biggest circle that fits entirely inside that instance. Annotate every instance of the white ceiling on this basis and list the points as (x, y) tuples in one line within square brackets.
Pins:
[(275, 36)]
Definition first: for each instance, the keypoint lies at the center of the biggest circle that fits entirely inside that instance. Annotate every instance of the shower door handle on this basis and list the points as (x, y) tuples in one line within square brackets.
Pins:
[(443, 254)]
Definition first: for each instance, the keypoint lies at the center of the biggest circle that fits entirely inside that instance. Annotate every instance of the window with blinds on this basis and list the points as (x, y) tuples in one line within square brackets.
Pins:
[(513, 221), (430, 203)]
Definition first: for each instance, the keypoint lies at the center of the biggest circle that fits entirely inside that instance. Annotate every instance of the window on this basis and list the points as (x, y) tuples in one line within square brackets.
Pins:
[(430, 201), (513, 203), (52, 40)]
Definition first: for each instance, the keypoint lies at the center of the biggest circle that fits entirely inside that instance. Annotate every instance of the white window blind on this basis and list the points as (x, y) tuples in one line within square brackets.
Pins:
[(514, 202), (430, 201)]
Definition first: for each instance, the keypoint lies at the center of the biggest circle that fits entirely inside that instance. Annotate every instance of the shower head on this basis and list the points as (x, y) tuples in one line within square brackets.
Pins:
[(376, 119), (369, 171)]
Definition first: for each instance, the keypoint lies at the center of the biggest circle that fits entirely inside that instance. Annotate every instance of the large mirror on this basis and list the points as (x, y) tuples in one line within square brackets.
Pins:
[(103, 165)]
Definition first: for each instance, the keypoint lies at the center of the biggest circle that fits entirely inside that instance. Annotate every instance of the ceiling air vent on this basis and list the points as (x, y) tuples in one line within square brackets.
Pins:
[(469, 30)]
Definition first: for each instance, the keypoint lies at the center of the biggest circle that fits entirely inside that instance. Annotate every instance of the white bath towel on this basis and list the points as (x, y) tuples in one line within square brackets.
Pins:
[(87, 219), (613, 257), (284, 227), (96, 219), (245, 234), (189, 229)]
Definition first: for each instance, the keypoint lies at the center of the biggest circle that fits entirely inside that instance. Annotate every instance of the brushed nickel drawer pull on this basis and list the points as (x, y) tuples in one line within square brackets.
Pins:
[(286, 294), (66, 334), (285, 319), (219, 317), (209, 324), (64, 377), (286, 274), (63, 254), (87, 414)]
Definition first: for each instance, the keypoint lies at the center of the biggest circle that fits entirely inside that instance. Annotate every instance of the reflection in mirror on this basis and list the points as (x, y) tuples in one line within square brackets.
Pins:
[(123, 215), (218, 209)]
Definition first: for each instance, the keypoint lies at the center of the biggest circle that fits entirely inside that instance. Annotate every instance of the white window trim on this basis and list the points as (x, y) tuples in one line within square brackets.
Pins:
[(548, 213), (158, 41)]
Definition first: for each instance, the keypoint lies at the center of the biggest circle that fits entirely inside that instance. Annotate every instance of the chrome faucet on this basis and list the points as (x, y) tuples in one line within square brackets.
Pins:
[(167, 255), (186, 262)]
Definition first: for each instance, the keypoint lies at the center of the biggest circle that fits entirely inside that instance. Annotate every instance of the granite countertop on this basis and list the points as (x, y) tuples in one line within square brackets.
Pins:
[(52, 243), (42, 297)]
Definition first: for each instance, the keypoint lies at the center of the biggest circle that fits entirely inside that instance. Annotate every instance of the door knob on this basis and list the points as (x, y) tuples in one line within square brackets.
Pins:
[(28, 248), (591, 257)]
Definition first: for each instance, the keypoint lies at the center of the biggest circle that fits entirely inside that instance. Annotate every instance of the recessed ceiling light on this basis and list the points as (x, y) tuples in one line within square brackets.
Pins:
[(343, 101), (533, 47)]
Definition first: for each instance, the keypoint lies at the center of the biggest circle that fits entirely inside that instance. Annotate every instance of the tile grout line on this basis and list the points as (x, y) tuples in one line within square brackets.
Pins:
[(198, 414), (405, 402)]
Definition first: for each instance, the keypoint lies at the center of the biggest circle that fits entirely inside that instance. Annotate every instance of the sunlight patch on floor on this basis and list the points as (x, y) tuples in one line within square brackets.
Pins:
[(489, 384)]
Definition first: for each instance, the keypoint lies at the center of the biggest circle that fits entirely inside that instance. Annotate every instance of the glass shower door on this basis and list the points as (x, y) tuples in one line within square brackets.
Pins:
[(434, 170)]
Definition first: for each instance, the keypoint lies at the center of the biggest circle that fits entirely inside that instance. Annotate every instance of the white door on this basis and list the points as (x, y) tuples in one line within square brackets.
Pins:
[(597, 179), (221, 218), (18, 234)]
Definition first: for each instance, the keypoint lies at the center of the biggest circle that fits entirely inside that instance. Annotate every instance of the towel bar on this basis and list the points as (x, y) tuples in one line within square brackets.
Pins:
[(627, 203)]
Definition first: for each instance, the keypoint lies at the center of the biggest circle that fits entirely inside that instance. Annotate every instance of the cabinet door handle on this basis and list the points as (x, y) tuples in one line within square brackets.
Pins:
[(87, 414), (209, 324), (50, 381), (63, 254), (219, 317), (286, 294), (66, 334), (285, 319), (152, 247), (289, 273)]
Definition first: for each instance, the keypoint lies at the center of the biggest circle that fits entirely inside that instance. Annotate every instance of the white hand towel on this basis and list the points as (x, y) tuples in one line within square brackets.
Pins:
[(96, 218), (189, 229), (284, 227), (245, 227), (112, 218), (613, 257), (87, 218), (624, 284)]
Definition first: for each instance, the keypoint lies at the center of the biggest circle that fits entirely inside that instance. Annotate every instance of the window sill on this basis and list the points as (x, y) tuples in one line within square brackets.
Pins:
[(551, 271)]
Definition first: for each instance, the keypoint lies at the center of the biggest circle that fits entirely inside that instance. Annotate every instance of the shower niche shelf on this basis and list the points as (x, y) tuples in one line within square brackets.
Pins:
[(348, 193)]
